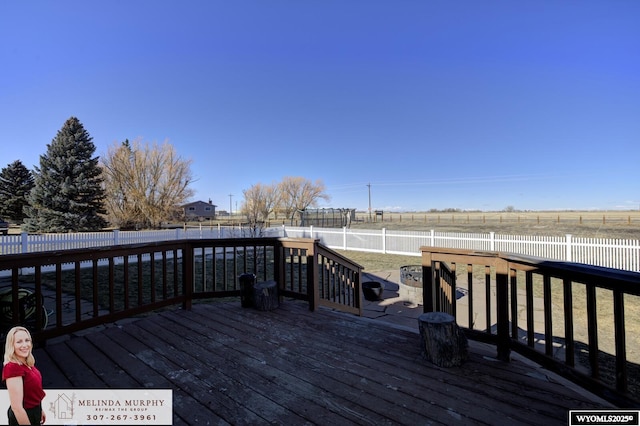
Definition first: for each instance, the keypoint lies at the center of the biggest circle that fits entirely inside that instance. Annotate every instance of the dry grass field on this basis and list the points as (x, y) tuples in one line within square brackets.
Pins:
[(588, 224)]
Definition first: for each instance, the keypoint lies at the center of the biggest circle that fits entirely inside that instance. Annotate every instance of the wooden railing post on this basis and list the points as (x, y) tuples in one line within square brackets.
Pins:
[(428, 283), (187, 275), (312, 276), (502, 310), (358, 292)]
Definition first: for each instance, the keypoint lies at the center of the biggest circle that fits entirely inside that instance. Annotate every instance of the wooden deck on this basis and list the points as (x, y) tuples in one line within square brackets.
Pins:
[(290, 366)]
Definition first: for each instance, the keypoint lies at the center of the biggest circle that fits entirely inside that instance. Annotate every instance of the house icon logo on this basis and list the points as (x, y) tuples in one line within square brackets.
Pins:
[(62, 407)]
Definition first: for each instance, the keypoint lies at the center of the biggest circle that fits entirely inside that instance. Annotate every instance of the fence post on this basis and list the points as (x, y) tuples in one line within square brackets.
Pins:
[(344, 238), (116, 237), (310, 231), (492, 241), (24, 237), (433, 238), (568, 256), (384, 240)]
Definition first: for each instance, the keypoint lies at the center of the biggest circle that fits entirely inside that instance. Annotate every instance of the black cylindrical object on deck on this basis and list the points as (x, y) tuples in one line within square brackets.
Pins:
[(247, 281)]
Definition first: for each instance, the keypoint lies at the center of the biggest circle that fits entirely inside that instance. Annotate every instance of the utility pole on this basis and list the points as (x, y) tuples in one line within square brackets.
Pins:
[(369, 186), (230, 205)]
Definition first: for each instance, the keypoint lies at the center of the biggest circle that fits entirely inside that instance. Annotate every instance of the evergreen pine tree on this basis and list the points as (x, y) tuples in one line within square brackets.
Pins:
[(68, 195), (16, 182)]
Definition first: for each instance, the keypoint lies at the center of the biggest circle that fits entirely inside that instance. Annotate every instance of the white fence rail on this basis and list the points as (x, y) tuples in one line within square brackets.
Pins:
[(612, 253)]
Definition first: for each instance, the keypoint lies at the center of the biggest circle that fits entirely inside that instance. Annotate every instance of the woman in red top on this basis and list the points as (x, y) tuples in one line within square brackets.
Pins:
[(24, 381)]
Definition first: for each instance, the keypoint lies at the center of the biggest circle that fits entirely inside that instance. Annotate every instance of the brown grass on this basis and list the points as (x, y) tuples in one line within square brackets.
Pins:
[(588, 224)]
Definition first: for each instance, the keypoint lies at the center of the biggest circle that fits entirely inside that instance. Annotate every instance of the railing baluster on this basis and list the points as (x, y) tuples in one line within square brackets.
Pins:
[(78, 294), (203, 275), (548, 320), (125, 267), (621, 345), (164, 274), (487, 298), (40, 305), (111, 285), (234, 256), (529, 303), (152, 276), (513, 279), (470, 296), (452, 278), (568, 322), (94, 289), (592, 324), (58, 295)]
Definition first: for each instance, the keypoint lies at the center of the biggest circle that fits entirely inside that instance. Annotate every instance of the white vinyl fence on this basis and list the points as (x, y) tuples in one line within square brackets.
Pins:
[(31, 243), (612, 253)]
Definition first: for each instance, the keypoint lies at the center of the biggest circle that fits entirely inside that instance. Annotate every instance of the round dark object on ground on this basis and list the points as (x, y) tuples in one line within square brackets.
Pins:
[(411, 275), (372, 290)]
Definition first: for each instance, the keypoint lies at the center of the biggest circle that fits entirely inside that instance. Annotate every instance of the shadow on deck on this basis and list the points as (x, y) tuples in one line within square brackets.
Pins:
[(290, 366)]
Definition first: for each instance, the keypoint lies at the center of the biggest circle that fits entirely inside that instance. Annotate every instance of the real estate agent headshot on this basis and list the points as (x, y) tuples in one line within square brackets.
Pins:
[(24, 381)]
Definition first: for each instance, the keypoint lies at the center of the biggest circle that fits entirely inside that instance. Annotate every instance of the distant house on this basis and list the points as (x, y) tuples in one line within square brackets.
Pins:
[(199, 210)]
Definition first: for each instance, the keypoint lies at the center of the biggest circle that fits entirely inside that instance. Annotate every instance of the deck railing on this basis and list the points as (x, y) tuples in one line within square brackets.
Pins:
[(82, 288), (580, 321)]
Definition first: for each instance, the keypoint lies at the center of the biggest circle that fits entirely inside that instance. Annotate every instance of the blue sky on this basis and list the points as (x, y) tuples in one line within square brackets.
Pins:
[(435, 104)]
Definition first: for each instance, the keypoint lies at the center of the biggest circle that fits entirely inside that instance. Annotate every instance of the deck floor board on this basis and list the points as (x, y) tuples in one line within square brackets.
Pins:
[(290, 366)]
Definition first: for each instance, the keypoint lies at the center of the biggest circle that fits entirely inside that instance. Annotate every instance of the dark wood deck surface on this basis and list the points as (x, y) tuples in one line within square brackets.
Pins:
[(229, 365)]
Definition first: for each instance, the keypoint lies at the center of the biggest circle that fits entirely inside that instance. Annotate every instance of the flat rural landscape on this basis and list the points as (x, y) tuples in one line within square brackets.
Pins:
[(587, 224)]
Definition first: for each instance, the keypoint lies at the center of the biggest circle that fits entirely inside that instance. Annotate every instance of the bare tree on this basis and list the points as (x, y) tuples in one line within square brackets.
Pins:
[(298, 193), (145, 183), (259, 202)]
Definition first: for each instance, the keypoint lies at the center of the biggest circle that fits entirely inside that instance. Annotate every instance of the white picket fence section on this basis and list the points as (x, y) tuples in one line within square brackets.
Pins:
[(612, 253), (31, 243)]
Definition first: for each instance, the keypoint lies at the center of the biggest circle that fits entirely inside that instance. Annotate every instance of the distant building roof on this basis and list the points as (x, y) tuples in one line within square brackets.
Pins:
[(199, 203)]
